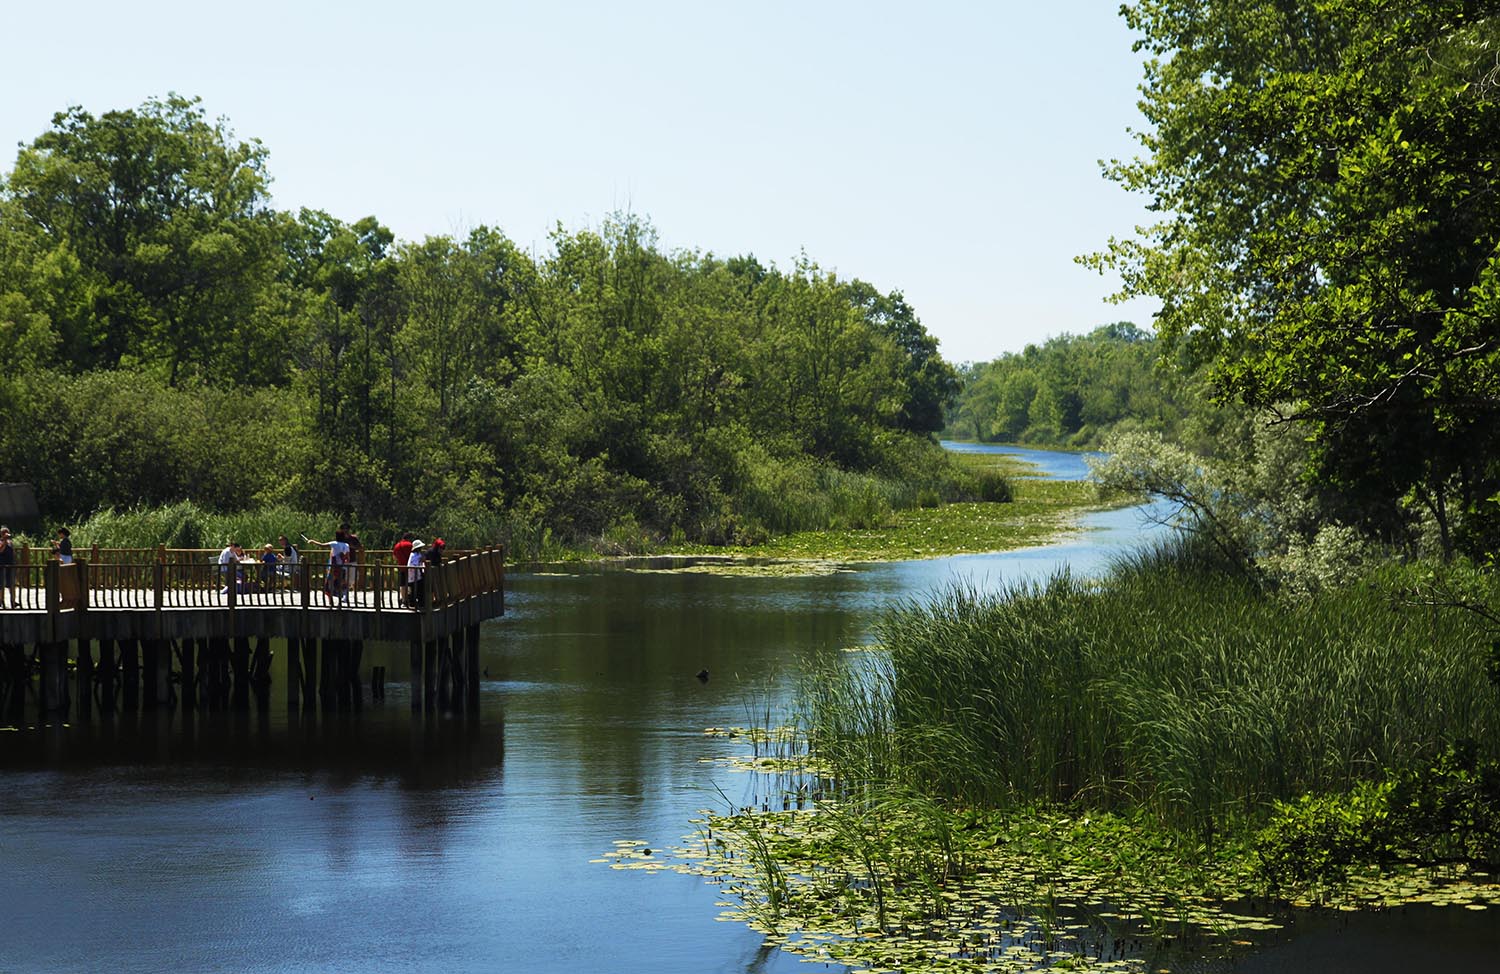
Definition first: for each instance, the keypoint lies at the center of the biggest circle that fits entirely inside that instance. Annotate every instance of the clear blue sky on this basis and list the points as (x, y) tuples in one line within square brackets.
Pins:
[(949, 150)]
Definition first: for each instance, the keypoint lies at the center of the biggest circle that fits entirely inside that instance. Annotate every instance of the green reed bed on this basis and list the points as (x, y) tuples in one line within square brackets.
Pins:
[(1169, 687), (186, 525)]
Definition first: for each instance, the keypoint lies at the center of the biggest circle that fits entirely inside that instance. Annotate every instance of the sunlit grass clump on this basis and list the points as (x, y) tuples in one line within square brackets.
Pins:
[(1170, 687)]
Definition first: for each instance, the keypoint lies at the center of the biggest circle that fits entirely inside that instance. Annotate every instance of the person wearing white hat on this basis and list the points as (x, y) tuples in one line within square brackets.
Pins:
[(414, 574)]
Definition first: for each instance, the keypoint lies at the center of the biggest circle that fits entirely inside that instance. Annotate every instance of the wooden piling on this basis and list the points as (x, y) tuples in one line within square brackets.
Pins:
[(54, 684), (309, 673), (130, 675), (108, 679), (429, 675), (260, 673), (329, 694), (240, 663), (14, 659), (151, 697), (356, 660), (471, 665), (416, 675), (188, 667), (293, 672), (84, 670)]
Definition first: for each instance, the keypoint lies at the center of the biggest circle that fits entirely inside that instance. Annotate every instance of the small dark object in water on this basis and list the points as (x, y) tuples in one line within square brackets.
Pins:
[(646, 851), (703, 676)]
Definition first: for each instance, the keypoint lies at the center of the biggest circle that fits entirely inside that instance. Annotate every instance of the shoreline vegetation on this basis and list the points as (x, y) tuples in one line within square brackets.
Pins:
[(1029, 511)]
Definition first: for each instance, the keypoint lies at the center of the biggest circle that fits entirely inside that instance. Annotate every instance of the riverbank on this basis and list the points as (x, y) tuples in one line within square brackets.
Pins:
[(1042, 511)]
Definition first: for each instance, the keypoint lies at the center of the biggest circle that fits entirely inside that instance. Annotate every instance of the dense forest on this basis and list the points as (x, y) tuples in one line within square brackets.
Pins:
[(168, 335), (1073, 391)]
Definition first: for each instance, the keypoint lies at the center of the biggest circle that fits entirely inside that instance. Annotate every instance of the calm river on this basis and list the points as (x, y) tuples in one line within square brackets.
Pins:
[(382, 843)]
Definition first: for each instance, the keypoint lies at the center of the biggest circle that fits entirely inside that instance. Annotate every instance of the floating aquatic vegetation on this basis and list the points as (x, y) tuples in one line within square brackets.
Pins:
[(784, 734), (900, 884)]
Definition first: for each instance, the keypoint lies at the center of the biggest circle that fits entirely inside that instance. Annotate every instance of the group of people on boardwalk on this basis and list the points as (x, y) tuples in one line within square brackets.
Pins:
[(62, 550), (345, 556), (273, 565), (416, 555), (274, 560)]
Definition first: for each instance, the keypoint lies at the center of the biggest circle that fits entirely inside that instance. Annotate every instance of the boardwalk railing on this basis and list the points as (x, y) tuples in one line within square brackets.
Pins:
[(173, 579)]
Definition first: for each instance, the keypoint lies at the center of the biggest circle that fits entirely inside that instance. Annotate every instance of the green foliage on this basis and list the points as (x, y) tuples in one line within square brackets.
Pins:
[(1442, 813), (1312, 842), (1330, 238), (167, 336), (156, 239), (1071, 391), (1248, 499)]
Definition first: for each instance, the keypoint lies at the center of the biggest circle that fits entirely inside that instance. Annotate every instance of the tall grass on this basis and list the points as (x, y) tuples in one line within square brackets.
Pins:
[(186, 525), (785, 496), (1171, 685)]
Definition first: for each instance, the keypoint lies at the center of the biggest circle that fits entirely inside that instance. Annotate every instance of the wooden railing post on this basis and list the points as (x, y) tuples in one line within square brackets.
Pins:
[(304, 582), (50, 598), (159, 584), (378, 585)]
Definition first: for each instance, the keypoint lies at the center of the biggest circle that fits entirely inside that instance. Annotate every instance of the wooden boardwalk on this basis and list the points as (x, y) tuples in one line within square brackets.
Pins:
[(215, 623)]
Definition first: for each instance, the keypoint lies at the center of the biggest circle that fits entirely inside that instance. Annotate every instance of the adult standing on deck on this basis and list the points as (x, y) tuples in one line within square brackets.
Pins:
[(63, 547), (400, 555), (356, 553), (414, 563), (8, 568), (335, 581)]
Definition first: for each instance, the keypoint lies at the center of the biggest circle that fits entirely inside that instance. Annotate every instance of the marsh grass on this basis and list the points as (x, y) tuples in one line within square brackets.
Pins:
[(1038, 512), (186, 525), (1172, 687)]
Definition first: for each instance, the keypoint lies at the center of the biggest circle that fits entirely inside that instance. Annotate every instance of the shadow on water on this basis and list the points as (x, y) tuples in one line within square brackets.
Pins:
[(428, 751), (1394, 941)]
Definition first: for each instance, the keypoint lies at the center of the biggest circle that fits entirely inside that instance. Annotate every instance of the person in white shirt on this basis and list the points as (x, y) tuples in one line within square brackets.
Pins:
[(229, 564), (414, 574), (335, 580)]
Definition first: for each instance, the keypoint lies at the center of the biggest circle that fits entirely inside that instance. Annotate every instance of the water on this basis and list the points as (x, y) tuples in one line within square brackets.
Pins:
[(1049, 463), (379, 843)]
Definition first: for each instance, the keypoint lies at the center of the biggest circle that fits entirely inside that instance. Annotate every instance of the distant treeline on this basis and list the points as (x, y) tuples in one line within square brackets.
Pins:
[(1071, 391), (167, 335)]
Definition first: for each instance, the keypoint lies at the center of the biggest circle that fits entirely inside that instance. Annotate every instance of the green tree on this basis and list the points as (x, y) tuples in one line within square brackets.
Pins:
[(931, 383), (162, 218), (1331, 233)]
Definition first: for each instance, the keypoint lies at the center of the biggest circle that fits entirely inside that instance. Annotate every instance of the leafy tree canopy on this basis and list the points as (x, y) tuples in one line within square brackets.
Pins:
[(1326, 175)]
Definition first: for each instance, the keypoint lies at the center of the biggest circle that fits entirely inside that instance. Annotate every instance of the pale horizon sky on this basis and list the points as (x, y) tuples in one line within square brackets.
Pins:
[(948, 150)]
